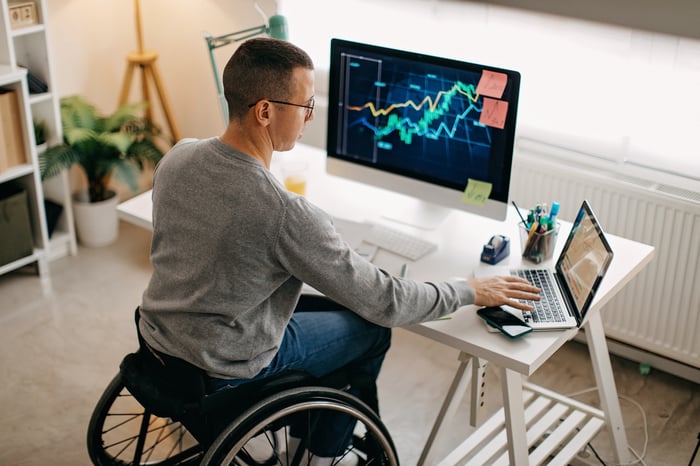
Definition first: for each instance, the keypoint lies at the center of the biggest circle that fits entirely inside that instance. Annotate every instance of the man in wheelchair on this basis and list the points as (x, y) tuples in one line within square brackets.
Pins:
[(232, 247)]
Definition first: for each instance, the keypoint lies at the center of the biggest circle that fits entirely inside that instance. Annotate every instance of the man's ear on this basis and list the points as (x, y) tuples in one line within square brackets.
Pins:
[(261, 110)]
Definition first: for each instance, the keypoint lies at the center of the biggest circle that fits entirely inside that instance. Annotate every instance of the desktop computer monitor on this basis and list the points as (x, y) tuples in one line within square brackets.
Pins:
[(436, 129)]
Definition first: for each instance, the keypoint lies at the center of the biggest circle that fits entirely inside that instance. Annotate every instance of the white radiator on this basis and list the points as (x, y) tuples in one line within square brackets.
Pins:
[(659, 311)]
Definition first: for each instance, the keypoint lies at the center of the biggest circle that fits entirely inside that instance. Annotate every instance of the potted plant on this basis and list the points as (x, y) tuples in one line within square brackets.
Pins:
[(120, 144), (41, 133)]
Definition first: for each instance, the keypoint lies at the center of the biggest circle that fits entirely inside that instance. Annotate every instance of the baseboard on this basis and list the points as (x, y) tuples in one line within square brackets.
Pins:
[(649, 360)]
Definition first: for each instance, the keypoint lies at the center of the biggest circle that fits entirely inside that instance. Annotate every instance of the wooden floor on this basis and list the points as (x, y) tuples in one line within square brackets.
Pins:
[(58, 352)]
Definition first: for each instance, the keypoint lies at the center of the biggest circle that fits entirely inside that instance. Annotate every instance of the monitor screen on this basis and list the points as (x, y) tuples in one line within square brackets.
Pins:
[(437, 129)]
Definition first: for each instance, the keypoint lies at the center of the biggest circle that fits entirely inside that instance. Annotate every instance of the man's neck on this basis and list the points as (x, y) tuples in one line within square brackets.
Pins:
[(256, 147)]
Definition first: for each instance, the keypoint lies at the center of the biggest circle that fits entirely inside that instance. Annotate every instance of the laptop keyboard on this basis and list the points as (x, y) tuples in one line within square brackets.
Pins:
[(547, 309)]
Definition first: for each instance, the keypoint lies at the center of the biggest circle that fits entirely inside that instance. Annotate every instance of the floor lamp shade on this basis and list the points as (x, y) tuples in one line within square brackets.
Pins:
[(278, 27), (275, 27)]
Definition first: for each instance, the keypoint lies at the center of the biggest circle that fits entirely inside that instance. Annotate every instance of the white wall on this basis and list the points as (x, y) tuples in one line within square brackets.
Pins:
[(636, 91), (628, 96), (90, 40)]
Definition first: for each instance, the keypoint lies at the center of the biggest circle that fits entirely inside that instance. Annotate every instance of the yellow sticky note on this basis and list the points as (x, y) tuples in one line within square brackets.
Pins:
[(476, 192)]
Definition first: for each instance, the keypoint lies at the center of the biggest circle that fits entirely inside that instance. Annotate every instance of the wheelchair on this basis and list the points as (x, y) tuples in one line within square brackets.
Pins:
[(156, 411)]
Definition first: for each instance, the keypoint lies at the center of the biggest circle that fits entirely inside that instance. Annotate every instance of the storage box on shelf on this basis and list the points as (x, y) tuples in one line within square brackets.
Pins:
[(25, 177), (12, 150), (25, 69), (15, 227)]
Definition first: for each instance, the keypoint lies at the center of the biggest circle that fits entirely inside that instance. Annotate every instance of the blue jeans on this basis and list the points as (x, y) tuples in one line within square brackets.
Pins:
[(320, 342)]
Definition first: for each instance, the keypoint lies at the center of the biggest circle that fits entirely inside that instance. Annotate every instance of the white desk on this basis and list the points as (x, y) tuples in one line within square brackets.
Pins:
[(460, 238)]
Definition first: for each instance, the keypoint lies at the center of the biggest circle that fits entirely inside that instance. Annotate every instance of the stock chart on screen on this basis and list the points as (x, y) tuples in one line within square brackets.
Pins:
[(444, 121), (434, 128)]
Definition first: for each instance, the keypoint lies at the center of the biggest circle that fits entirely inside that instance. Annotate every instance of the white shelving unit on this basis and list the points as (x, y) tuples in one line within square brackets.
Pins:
[(22, 50), (557, 429)]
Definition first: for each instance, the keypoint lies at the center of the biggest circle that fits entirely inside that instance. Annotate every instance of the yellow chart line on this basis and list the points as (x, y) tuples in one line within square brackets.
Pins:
[(432, 105)]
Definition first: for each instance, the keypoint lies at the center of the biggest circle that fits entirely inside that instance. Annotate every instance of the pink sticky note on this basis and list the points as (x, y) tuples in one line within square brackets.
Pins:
[(493, 113), (492, 84)]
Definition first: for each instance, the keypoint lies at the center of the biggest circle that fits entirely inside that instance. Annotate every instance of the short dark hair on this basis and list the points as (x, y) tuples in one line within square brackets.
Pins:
[(261, 68)]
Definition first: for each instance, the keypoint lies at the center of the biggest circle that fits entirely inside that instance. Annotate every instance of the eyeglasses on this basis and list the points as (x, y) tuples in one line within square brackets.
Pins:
[(309, 108)]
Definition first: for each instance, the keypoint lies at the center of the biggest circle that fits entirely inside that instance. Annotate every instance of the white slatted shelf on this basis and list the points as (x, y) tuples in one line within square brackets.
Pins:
[(558, 428)]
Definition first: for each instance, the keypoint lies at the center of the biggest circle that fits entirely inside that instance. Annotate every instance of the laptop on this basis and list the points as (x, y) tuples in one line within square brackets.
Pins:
[(573, 283)]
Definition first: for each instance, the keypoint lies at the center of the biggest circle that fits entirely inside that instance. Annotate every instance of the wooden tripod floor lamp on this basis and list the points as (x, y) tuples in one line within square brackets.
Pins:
[(145, 60)]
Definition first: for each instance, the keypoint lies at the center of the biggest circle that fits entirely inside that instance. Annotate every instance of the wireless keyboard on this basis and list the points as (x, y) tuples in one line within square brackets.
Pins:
[(399, 242)]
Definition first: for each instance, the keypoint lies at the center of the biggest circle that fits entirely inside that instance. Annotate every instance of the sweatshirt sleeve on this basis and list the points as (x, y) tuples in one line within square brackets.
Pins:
[(310, 249)]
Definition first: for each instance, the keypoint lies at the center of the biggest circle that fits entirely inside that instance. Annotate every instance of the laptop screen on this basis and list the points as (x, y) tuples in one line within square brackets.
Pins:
[(584, 260)]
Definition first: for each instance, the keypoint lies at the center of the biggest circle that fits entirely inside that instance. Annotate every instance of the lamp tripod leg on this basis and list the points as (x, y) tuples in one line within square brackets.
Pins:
[(148, 71), (145, 92), (164, 103), (128, 77)]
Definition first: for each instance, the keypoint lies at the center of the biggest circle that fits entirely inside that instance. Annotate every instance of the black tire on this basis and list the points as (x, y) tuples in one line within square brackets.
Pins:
[(263, 424), (122, 433)]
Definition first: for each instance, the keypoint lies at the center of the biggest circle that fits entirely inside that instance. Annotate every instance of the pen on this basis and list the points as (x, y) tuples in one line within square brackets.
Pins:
[(404, 271), (533, 229), (532, 237), (519, 214)]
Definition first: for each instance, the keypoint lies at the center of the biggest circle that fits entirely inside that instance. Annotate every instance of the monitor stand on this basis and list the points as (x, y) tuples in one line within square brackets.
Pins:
[(419, 214)]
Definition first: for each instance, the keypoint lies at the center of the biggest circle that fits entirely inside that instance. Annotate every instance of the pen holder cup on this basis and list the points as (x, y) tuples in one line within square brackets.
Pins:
[(538, 247)]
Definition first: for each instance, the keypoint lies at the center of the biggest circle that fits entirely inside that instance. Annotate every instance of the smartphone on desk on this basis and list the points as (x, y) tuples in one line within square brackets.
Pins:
[(504, 321)]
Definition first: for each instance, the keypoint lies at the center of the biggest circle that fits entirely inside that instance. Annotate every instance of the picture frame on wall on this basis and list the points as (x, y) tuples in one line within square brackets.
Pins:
[(23, 14)]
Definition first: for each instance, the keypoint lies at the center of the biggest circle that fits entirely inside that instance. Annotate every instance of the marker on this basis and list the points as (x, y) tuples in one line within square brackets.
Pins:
[(553, 215), (404, 271), (554, 211)]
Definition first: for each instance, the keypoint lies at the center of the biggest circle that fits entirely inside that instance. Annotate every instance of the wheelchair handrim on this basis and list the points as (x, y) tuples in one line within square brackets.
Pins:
[(317, 405)]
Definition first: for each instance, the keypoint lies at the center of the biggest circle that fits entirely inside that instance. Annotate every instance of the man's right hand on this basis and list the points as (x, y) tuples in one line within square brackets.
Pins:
[(504, 290)]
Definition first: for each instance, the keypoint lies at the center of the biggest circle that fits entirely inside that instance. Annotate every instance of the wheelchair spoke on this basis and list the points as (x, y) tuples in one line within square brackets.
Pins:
[(163, 435), (123, 433)]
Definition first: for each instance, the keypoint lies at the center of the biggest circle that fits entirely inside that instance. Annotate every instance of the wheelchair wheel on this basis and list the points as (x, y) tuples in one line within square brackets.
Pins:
[(260, 435), (121, 432)]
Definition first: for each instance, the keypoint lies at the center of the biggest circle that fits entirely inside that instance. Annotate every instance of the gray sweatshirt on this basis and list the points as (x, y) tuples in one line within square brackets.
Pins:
[(230, 251)]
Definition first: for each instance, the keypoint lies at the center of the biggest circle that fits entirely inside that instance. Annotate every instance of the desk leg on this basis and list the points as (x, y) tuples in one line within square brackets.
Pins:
[(477, 391), (605, 381), (516, 430), (449, 406)]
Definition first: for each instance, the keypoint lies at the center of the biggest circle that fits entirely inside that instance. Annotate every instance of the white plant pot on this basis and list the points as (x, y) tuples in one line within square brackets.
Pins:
[(96, 223)]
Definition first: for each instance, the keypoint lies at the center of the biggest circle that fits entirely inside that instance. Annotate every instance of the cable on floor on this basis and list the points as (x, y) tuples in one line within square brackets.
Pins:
[(640, 458), (695, 452)]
